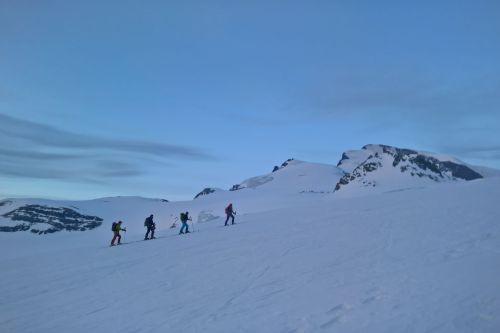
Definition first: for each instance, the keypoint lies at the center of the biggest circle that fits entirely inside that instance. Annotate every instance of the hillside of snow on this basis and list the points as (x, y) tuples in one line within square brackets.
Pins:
[(295, 176), (418, 260), (279, 189), (410, 254)]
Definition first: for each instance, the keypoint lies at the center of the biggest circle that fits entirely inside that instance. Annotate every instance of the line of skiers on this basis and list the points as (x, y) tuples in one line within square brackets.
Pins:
[(116, 227)]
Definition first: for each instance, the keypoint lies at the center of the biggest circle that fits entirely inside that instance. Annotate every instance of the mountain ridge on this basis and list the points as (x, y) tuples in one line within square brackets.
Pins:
[(372, 169)]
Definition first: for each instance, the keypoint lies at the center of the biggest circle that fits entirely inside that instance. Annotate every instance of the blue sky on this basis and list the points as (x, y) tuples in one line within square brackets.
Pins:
[(164, 98)]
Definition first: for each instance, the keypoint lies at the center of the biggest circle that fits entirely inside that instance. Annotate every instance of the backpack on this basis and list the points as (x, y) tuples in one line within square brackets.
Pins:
[(113, 226), (183, 217), (228, 209)]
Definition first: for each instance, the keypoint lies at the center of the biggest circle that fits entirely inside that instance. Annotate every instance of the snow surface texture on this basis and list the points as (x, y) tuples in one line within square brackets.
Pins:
[(300, 259)]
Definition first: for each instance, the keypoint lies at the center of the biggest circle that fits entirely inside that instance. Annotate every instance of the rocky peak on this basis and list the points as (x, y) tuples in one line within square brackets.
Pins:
[(205, 191), (361, 166), (284, 164), (40, 219)]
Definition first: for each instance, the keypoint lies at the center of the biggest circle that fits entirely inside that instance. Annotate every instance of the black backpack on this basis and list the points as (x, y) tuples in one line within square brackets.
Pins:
[(113, 226)]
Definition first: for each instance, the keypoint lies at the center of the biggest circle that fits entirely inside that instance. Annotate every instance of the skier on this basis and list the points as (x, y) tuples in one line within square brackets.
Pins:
[(229, 214), (116, 228), (148, 223), (184, 218)]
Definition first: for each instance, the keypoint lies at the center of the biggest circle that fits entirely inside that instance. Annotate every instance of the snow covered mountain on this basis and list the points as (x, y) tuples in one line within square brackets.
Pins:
[(44, 219), (373, 169), (391, 168), (295, 176), (301, 258)]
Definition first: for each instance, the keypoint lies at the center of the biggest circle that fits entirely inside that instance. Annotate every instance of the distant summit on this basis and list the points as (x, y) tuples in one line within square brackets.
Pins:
[(260, 180), (284, 164), (294, 176), (392, 167)]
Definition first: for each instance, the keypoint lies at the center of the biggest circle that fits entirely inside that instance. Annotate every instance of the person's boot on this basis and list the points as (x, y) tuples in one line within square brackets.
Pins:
[(187, 231)]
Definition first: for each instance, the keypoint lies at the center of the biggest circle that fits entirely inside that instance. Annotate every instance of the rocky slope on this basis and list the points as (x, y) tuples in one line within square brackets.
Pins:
[(392, 168)]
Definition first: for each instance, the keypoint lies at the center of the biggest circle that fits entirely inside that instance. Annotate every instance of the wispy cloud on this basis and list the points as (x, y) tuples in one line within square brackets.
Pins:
[(34, 150), (49, 136), (36, 156)]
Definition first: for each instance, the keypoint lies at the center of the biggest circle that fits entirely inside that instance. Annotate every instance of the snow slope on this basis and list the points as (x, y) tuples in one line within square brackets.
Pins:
[(417, 260), (407, 257), (295, 176)]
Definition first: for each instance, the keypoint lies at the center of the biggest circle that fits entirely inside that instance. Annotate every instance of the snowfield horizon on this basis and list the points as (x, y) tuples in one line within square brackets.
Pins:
[(388, 240)]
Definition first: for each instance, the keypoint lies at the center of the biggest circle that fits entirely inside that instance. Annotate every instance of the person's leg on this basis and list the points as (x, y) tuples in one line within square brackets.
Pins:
[(114, 238), (119, 238), (182, 228), (152, 233), (147, 234), (227, 219), (232, 219)]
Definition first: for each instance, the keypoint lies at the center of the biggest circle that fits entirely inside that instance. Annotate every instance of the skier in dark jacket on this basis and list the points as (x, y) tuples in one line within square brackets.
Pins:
[(184, 218), (229, 214), (148, 223), (117, 227)]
